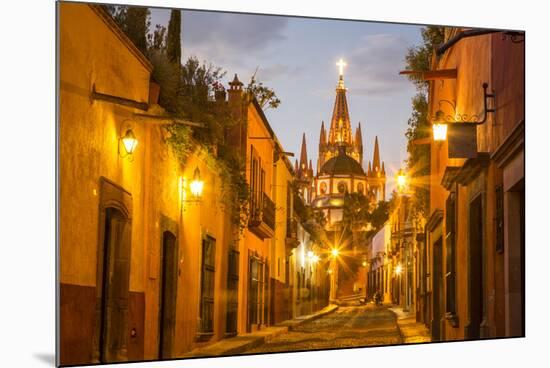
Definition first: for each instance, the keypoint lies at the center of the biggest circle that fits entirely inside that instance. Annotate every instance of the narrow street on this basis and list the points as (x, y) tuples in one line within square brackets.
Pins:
[(346, 327)]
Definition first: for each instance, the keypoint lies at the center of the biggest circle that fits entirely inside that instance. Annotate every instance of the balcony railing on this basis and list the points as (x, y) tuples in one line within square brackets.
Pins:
[(291, 239), (262, 215)]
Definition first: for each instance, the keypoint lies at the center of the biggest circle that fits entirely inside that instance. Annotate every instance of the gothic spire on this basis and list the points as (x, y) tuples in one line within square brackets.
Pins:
[(303, 154), (376, 156), (322, 136), (358, 136), (340, 126)]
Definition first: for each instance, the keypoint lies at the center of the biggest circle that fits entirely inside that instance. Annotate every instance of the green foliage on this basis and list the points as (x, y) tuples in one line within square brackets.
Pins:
[(356, 209), (165, 74), (418, 58), (134, 21), (157, 40), (379, 215), (266, 96), (173, 38), (184, 93)]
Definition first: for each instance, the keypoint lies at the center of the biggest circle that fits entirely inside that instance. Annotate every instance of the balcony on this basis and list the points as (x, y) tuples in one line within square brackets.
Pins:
[(262, 216), (291, 239)]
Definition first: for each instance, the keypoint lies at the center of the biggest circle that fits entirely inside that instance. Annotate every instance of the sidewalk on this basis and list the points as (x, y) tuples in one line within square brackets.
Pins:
[(410, 330), (241, 343)]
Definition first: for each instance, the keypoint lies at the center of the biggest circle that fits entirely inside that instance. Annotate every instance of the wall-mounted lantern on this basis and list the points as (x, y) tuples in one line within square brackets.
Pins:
[(127, 143), (460, 129), (191, 191), (197, 185)]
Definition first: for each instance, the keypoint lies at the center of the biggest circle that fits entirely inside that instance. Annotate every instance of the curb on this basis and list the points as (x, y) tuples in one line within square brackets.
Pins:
[(293, 323), (256, 341), (401, 336)]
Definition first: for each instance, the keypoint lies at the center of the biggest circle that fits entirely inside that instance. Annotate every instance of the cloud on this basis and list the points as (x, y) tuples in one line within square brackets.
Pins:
[(276, 71), (228, 36), (375, 65)]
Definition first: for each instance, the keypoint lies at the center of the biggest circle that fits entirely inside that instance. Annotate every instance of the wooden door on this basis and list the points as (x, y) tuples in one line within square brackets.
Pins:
[(475, 294), (115, 290), (168, 287)]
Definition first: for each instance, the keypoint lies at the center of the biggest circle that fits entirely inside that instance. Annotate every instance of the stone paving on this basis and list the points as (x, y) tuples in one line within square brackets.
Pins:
[(411, 331), (356, 326)]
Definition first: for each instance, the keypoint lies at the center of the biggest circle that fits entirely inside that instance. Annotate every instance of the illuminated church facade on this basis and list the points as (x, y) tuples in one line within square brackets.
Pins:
[(340, 164)]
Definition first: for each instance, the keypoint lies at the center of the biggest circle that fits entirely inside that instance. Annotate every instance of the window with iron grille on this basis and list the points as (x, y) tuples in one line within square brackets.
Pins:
[(499, 218), (450, 240), (207, 285), (232, 292)]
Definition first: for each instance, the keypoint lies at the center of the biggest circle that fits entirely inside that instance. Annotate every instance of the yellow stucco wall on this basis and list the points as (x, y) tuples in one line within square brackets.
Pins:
[(91, 52)]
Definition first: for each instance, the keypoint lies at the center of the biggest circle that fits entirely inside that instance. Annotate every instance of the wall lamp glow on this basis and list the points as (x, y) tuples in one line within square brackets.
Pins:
[(440, 121), (191, 192), (127, 144)]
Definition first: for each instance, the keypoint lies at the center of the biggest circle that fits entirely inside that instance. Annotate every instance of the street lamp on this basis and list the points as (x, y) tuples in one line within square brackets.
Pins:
[(398, 269), (334, 252), (197, 185), (401, 180)]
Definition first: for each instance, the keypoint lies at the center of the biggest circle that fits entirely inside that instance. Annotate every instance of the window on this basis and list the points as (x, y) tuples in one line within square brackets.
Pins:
[(323, 187), (342, 187), (360, 188), (450, 269), (207, 285), (499, 218)]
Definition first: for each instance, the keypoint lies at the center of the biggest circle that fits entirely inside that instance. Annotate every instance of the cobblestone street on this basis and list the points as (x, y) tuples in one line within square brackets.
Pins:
[(347, 327)]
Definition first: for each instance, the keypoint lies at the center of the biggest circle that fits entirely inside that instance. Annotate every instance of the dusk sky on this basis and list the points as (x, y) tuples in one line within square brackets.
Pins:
[(297, 58)]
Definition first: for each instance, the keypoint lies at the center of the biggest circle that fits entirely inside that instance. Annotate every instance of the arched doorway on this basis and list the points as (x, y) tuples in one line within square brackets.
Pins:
[(113, 274), (115, 287)]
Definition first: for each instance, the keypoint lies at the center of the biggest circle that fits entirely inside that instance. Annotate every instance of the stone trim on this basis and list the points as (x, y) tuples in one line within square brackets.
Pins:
[(510, 146), (435, 219), (472, 167)]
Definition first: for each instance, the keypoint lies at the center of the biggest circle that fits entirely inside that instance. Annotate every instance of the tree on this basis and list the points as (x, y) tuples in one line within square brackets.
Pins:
[(173, 38), (137, 26), (157, 40), (418, 58), (418, 162), (267, 99), (134, 21), (379, 215)]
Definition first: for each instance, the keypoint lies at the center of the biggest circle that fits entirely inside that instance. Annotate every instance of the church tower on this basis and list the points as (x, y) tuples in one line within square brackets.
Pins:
[(377, 175), (304, 172), (340, 133)]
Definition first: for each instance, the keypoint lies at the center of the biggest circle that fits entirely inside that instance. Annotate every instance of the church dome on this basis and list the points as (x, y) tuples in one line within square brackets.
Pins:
[(342, 165)]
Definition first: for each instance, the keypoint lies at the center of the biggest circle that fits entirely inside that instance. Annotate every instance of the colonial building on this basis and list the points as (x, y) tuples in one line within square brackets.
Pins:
[(143, 268), (472, 275), (152, 265)]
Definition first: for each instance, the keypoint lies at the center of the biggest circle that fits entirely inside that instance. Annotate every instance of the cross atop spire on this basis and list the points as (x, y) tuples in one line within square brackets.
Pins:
[(341, 64)]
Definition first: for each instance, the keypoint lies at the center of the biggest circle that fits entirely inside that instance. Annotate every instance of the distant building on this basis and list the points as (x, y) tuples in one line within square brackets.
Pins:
[(340, 165)]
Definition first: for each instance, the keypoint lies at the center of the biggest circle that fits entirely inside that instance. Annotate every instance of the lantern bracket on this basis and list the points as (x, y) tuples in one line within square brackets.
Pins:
[(465, 118)]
